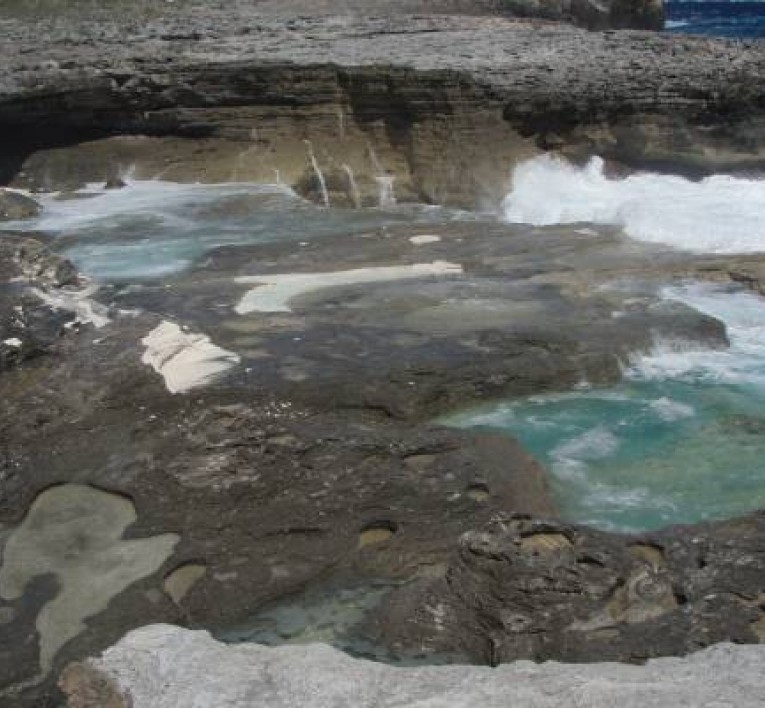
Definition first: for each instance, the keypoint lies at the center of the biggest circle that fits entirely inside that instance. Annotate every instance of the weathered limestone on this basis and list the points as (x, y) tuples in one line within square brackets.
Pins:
[(75, 533), (533, 588), (427, 108), (167, 667)]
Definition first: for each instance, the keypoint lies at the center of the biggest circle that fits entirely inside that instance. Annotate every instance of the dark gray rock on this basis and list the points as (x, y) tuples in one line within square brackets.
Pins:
[(28, 327), (540, 589), (16, 207)]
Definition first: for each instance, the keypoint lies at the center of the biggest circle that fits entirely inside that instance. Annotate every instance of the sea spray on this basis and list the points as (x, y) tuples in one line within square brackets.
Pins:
[(719, 214), (386, 197), (319, 174), (353, 187)]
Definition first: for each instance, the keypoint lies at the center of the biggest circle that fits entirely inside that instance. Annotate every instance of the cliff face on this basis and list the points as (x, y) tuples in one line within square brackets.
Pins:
[(441, 106)]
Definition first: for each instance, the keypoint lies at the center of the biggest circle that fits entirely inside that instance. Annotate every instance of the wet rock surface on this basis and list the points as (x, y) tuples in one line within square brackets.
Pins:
[(171, 667), (440, 106), (308, 458), (531, 588), (27, 327)]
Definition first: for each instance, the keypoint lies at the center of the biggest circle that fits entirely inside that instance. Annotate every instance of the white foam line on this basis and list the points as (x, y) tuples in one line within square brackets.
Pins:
[(274, 292), (185, 360), (86, 311)]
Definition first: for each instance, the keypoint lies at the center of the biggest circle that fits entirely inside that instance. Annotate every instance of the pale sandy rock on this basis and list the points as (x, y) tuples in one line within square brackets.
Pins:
[(161, 666), (274, 293), (185, 360)]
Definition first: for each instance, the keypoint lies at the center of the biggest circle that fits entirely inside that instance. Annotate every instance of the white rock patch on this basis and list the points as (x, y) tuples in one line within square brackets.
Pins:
[(13, 342), (86, 311), (168, 667), (424, 238), (185, 360), (274, 292)]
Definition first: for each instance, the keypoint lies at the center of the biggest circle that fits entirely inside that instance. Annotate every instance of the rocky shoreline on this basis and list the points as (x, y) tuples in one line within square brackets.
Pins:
[(262, 422), (441, 106)]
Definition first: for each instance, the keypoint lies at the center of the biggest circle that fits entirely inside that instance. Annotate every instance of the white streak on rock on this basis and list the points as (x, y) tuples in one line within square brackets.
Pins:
[(424, 238), (185, 360), (276, 291), (13, 342), (86, 311)]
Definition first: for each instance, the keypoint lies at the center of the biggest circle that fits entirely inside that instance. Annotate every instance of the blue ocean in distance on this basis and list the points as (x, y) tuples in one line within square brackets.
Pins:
[(716, 18)]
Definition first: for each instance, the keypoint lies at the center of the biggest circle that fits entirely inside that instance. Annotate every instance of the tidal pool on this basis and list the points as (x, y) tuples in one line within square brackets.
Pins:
[(681, 440), (150, 229)]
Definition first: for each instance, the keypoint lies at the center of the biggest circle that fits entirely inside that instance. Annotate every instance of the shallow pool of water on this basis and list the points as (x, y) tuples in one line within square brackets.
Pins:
[(150, 229), (681, 440)]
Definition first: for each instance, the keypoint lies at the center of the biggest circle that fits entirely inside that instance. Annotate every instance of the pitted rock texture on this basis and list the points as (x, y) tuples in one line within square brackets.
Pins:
[(442, 105), (531, 588), (167, 667), (27, 326)]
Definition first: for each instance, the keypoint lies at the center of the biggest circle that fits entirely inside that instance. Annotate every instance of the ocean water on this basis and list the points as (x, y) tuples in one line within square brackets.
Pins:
[(735, 19), (151, 229), (682, 438)]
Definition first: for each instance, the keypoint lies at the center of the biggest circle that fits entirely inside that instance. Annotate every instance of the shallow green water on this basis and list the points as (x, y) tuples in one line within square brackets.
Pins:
[(681, 440)]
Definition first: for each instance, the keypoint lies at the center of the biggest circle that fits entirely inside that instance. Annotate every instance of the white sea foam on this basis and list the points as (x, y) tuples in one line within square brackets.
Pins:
[(719, 214), (185, 360), (274, 292), (743, 363), (571, 456), (671, 410), (93, 205)]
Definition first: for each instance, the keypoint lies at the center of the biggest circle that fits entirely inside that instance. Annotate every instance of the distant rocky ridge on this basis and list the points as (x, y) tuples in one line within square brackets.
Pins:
[(431, 108)]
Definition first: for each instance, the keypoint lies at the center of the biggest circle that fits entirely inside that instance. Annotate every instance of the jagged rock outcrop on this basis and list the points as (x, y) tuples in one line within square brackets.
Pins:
[(441, 107), (27, 326), (168, 667), (537, 589)]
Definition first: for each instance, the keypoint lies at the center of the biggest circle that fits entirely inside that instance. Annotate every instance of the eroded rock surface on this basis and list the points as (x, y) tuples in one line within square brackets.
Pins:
[(531, 588), (75, 533), (169, 667), (308, 459), (27, 326), (351, 109)]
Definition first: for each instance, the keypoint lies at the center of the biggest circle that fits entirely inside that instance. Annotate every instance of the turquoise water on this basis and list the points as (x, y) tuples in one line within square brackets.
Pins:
[(681, 440), (151, 229)]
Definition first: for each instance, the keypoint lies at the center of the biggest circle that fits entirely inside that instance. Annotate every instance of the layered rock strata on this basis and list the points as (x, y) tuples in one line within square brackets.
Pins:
[(350, 109)]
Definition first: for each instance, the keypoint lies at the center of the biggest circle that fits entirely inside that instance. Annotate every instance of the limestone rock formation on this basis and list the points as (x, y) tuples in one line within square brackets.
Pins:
[(353, 109), (530, 588), (167, 667)]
